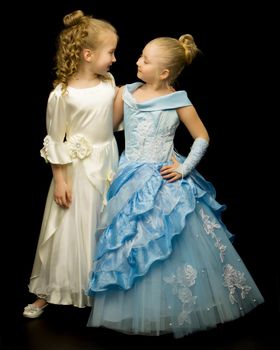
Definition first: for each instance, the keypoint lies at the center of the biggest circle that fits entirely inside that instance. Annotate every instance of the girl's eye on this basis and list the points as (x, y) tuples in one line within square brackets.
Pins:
[(143, 60)]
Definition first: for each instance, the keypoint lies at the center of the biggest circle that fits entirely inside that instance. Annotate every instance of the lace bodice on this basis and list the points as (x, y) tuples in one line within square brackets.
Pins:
[(150, 126)]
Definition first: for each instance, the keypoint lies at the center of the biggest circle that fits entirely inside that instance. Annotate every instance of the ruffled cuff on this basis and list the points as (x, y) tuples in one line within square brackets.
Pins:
[(64, 152), (55, 152)]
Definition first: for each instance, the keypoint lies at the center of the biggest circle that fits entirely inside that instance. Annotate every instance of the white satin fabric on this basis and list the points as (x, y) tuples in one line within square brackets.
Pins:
[(80, 136)]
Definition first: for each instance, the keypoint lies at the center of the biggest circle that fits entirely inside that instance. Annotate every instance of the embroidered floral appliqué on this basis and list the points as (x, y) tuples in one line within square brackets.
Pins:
[(209, 227), (234, 279), (181, 282), (79, 146), (152, 145)]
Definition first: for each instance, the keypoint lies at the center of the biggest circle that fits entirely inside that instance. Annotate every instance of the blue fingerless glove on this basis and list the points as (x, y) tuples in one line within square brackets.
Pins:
[(197, 151)]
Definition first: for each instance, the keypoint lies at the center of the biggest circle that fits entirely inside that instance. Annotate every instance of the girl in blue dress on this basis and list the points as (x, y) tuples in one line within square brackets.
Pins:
[(164, 262)]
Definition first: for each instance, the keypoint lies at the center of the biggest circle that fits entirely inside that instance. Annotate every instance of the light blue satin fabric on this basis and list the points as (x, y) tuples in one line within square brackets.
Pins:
[(144, 213), (164, 261)]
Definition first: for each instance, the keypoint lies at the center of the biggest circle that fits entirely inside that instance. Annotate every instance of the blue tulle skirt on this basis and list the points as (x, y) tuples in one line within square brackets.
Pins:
[(165, 262)]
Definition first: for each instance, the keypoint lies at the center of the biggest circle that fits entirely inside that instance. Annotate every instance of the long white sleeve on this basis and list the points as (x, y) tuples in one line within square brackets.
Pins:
[(197, 151)]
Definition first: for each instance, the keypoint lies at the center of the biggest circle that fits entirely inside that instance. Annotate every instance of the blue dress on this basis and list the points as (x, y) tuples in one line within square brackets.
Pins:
[(164, 262)]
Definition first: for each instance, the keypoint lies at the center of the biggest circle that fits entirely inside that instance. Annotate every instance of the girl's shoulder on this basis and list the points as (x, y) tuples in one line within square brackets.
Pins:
[(57, 91), (110, 79), (174, 100), (133, 86), (56, 96)]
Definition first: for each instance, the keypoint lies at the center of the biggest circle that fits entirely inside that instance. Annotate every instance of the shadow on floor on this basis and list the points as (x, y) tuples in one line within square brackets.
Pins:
[(64, 328)]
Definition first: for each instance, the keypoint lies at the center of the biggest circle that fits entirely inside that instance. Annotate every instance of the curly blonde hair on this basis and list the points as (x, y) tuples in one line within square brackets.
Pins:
[(80, 32), (177, 53)]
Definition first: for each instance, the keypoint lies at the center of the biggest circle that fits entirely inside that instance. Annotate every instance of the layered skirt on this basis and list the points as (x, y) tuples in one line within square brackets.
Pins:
[(164, 261)]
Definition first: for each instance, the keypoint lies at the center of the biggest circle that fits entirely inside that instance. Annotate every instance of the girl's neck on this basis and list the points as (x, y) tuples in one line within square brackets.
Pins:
[(150, 91), (82, 80), (160, 88)]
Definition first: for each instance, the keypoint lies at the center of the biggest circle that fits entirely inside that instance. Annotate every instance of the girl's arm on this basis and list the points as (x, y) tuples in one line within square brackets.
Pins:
[(192, 122), (54, 151), (62, 190), (118, 109), (194, 125)]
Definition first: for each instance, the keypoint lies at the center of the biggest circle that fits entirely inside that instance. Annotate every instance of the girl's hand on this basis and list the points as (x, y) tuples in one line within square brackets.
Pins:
[(62, 195), (169, 173)]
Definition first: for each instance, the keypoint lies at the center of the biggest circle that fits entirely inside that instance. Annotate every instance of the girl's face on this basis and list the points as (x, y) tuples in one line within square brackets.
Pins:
[(149, 64), (104, 56)]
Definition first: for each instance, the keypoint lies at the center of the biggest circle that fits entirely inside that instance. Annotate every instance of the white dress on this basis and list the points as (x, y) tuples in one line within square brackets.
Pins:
[(79, 134)]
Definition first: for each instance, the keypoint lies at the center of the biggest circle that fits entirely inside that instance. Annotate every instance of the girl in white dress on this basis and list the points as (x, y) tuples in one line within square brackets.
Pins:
[(82, 151)]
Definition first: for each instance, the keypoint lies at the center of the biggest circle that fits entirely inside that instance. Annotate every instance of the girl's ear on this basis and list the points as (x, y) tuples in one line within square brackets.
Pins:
[(87, 55), (164, 74)]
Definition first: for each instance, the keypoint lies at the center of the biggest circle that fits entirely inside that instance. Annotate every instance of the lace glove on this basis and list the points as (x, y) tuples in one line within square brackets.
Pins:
[(197, 151)]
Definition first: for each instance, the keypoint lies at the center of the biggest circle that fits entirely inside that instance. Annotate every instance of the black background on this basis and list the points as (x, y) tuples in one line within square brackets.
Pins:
[(225, 83)]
